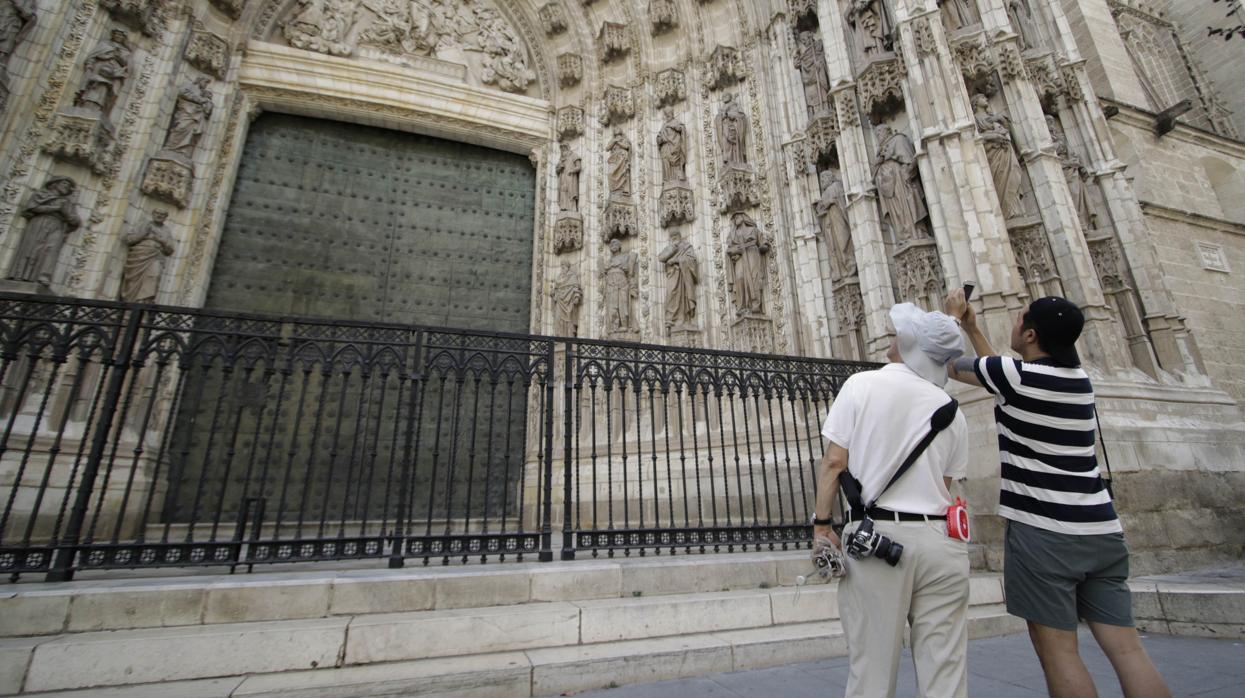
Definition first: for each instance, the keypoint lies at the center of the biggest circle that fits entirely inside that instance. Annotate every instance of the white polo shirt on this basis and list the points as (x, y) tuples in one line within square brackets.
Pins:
[(879, 416)]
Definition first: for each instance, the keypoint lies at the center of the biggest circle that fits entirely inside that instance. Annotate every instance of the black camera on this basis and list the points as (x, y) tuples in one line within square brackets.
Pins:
[(865, 542)]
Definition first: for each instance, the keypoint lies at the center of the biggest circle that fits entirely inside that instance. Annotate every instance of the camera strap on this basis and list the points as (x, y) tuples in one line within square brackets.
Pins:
[(1106, 460), (940, 420)]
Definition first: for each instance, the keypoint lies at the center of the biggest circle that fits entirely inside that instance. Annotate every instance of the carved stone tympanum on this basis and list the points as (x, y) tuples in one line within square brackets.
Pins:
[(898, 182), (682, 276), (144, 260), (52, 218)]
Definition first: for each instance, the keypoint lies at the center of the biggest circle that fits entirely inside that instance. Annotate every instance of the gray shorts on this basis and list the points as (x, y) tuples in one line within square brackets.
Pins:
[(1055, 578)]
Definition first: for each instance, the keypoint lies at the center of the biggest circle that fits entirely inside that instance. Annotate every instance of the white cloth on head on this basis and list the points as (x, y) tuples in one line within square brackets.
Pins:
[(927, 341)]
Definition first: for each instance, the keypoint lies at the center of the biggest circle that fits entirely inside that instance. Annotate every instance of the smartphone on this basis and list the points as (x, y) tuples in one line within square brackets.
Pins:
[(968, 290)]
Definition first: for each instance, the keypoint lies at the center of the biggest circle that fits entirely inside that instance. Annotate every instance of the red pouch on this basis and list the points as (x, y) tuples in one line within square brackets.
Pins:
[(957, 520)]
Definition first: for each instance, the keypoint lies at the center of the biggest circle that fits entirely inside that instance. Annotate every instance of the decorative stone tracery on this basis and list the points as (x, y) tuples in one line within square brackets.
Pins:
[(670, 87), (208, 52), (570, 69), (725, 67), (617, 105), (662, 16), (552, 18), (614, 41), (148, 16), (570, 122)]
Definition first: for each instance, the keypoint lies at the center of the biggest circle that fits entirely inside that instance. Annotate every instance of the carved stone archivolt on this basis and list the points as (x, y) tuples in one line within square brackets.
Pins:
[(208, 52), (570, 69), (232, 8), (148, 16), (613, 41), (570, 122), (617, 105), (552, 18), (662, 16), (670, 87), (725, 67), (470, 32)]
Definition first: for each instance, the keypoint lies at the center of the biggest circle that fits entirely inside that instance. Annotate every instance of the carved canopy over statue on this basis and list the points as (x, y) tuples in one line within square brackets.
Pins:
[(468, 32)]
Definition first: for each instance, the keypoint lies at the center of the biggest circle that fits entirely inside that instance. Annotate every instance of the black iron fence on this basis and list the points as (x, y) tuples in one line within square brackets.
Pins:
[(147, 436)]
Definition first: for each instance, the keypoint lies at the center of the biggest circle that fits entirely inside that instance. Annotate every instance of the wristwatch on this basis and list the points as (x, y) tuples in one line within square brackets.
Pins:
[(828, 521)]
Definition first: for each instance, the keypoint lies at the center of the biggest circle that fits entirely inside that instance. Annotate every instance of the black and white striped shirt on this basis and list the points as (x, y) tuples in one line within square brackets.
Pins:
[(1045, 418)]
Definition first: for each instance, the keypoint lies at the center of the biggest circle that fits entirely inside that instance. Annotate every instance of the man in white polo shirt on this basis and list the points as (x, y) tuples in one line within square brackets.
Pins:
[(876, 421)]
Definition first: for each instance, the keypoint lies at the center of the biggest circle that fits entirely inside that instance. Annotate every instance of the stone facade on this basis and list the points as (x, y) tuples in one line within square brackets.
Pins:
[(527, 76)]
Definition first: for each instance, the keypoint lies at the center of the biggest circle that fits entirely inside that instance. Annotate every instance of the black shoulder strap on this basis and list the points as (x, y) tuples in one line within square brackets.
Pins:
[(941, 419)]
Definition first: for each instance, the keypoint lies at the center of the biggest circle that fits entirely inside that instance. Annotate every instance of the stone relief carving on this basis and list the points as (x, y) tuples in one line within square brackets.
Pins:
[(880, 82), (169, 179), (732, 129), (672, 145), (1075, 174), (677, 205), (1021, 16), (725, 67), (823, 133), (973, 58), (80, 139), (811, 62), (1044, 73), (552, 18), (232, 8), (52, 218), (569, 168), (570, 122), (845, 106), (995, 130), (614, 40), (671, 87), (191, 114), (568, 295), (1011, 65), (144, 259), (746, 249), (618, 162), (570, 69), (104, 73), (923, 37), (920, 274), (145, 15), (899, 186), (831, 211), (1072, 82), (959, 14), (617, 105), (871, 26), (662, 16), (682, 277), (621, 275), (208, 52), (1033, 257), (17, 17), (568, 233), (465, 32)]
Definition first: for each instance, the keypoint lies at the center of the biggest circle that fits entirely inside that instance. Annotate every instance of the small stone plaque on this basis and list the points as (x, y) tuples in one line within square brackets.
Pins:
[(1211, 256)]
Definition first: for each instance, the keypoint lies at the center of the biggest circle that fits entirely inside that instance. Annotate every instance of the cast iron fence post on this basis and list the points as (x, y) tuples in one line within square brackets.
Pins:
[(546, 525), (62, 564), (397, 552), (568, 392)]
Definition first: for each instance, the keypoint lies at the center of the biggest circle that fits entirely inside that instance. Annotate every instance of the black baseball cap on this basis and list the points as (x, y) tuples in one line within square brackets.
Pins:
[(1058, 323)]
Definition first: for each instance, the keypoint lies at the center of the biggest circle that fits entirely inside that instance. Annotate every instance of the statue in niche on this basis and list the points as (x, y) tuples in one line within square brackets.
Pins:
[(995, 130), (1021, 16), (672, 144), (899, 186), (190, 118), (104, 72), (957, 14), (52, 218), (621, 288), (1075, 174), (323, 26), (570, 166), (811, 63), (831, 211), (682, 275), (619, 164), (746, 248), (732, 127), (870, 25), (17, 17), (144, 262), (568, 294)]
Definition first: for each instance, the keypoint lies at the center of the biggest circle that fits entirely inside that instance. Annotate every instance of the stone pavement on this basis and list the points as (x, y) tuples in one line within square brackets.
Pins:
[(999, 667)]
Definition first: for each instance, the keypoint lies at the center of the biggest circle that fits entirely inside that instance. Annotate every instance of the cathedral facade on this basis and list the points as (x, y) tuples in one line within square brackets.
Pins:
[(765, 176)]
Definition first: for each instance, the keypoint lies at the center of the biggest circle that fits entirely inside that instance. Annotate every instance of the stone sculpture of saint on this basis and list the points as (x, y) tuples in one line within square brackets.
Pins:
[(1001, 153), (619, 165), (672, 144), (621, 288), (323, 26), (52, 217), (190, 118), (568, 294), (104, 72), (1021, 16), (899, 186), (16, 19), (957, 14), (811, 62), (831, 211), (870, 25), (746, 249), (144, 262), (570, 166), (1075, 174), (732, 126), (682, 276)]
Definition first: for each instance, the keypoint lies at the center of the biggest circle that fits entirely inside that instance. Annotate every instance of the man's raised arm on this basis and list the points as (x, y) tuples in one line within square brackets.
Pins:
[(959, 308)]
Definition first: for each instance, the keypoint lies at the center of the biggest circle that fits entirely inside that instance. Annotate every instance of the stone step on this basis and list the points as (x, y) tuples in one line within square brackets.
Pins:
[(548, 671)]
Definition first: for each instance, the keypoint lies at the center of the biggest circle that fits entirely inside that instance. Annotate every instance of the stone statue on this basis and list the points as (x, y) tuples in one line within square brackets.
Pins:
[(323, 26), (568, 294), (832, 215), (899, 185), (732, 126), (682, 275), (570, 166), (104, 72), (52, 218), (957, 14), (1021, 16), (190, 118), (144, 263), (871, 26), (1075, 174), (619, 163), (1001, 153), (672, 144), (811, 63), (16, 19), (746, 248), (621, 287)]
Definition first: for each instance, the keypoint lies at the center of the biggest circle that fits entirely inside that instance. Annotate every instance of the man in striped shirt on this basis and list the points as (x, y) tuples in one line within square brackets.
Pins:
[(1064, 554)]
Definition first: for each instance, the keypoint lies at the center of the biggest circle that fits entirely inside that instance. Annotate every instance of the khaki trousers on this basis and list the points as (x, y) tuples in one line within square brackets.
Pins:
[(927, 590)]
